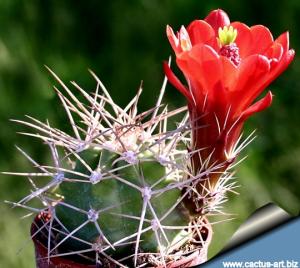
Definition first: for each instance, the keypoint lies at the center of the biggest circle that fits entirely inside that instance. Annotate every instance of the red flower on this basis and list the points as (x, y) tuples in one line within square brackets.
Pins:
[(226, 66)]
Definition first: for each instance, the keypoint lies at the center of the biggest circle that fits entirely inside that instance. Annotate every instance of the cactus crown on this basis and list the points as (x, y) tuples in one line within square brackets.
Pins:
[(115, 192)]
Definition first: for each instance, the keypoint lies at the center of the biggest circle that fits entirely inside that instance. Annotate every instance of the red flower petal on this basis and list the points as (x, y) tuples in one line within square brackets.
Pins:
[(261, 39), (202, 64), (278, 67), (173, 39), (243, 39), (251, 70), (176, 82), (201, 32), (275, 51), (230, 73), (260, 105), (252, 74), (217, 18), (283, 39)]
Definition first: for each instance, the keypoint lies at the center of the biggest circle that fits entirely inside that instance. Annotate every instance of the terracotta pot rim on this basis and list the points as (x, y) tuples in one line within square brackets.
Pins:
[(41, 253), (63, 262)]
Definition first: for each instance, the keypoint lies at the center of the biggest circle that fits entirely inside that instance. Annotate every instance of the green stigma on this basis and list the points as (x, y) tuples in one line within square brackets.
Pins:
[(227, 35)]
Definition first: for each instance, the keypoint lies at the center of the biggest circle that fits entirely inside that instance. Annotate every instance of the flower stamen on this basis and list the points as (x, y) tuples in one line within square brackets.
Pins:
[(227, 35), (229, 49)]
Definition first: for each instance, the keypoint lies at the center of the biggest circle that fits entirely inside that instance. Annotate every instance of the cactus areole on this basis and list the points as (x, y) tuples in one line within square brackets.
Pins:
[(130, 189)]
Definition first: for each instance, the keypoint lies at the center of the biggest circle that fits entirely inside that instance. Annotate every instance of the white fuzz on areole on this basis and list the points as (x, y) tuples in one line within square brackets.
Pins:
[(163, 160), (147, 193), (93, 215), (95, 177), (130, 157), (59, 177)]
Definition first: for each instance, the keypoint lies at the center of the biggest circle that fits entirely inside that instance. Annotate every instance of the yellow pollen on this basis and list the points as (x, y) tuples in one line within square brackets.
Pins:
[(227, 35)]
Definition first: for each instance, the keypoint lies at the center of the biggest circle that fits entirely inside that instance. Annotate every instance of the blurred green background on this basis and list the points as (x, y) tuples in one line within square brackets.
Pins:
[(124, 42)]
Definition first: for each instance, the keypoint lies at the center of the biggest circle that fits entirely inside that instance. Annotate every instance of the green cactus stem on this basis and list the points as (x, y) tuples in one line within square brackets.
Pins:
[(114, 201)]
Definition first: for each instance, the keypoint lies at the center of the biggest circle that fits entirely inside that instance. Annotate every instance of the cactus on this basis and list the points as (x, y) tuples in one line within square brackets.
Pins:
[(129, 190), (116, 188)]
